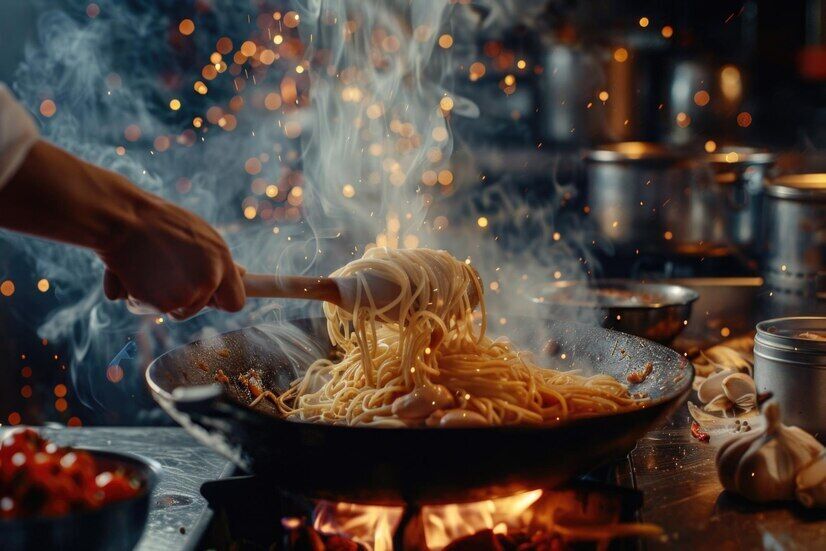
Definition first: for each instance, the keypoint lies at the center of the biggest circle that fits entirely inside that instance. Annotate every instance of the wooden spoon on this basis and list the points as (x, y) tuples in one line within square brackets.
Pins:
[(341, 291)]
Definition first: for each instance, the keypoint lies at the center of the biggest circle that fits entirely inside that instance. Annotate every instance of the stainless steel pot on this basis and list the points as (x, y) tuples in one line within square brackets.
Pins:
[(570, 74), (640, 197), (794, 261), (740, 174), (662, 200), (793, 369), (706, 96)]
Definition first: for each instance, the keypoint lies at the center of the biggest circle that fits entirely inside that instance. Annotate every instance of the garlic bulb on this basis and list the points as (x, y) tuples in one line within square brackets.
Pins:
[(762, 466), (811, 483)]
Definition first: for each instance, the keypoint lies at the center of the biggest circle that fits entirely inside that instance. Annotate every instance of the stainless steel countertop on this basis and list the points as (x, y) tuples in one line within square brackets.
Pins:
[(177, 502)]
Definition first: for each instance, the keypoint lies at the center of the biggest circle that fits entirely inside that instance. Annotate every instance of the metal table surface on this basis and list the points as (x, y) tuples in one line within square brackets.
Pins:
[(678, 478), (177, 502)]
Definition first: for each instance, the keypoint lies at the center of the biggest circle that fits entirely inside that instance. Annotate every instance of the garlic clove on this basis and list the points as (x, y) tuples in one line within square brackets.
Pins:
[(434, 418), (719, 403), (740, 389), (462, 418), (811, 483), (422, 401), (728, 458), (712, 386)]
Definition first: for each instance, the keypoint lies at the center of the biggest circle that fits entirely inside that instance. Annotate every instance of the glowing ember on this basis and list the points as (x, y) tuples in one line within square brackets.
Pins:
[(7, 288), (114, 373), (186, 27), (48, 108)]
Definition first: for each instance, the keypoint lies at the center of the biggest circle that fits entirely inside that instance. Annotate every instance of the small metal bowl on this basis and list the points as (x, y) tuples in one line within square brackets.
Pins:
[(654, 311), (115, 526)]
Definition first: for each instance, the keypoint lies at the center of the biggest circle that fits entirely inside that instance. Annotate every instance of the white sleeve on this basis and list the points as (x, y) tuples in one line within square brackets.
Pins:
[(18, 133)]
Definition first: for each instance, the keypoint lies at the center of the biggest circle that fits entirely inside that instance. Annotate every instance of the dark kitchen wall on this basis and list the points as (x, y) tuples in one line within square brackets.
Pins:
[(33, 375), (17, 24)]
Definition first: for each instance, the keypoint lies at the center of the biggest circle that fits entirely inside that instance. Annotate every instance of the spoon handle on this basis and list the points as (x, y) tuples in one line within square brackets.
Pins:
[(267, 286)]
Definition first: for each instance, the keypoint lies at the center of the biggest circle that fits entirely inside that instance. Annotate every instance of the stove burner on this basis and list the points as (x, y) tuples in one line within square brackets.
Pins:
[(251, 513)]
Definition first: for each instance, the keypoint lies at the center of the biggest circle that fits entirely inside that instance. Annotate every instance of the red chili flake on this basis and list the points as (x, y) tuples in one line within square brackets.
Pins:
[(253, 382), (698, 433), (636, 377)]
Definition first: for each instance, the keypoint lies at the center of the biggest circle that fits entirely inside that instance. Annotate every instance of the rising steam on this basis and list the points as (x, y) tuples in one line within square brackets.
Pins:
[(364, 130)]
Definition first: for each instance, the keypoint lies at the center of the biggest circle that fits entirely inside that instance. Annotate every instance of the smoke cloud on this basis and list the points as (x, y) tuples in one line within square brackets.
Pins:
[(331, 133)]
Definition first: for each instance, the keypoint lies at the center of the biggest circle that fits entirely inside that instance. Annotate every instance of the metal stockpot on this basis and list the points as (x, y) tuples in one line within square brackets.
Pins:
[(638, 194), (571, 73), (740, 174), (794, 370), (794, 237), (649, 198), (661, 200)]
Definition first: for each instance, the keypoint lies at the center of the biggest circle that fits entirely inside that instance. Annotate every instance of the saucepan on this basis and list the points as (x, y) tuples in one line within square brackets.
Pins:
[(410, 465), (656, 311)]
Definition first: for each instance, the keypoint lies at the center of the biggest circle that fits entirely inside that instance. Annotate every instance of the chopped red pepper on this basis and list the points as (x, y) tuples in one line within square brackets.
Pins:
[(698, 433), (252, 381), (38, 478)]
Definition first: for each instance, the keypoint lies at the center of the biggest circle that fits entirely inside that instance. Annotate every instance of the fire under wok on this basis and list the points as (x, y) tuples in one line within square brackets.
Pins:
[(410, 465)]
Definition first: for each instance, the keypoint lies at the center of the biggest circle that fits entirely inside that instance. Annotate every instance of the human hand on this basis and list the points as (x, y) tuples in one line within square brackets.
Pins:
[(172, 260)]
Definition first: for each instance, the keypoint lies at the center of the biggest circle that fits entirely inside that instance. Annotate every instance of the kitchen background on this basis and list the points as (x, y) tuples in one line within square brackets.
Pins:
[(208, 103)]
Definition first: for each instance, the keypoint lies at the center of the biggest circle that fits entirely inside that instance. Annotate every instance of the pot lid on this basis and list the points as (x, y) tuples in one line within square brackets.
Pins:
[(798, 186), (635, 152), (736, 155)]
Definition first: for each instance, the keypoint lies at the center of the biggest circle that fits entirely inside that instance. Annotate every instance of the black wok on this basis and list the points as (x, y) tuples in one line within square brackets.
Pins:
[(413, 465)]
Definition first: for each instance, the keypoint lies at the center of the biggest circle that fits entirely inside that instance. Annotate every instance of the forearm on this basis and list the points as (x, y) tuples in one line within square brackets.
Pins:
[(58, 196)]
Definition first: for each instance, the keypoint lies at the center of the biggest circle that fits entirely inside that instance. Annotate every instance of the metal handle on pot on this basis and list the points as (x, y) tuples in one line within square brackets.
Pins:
[(737, 197)]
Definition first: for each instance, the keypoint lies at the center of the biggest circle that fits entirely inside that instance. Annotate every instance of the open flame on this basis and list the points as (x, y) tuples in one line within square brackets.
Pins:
[(534, 518), (446, 523), (370, 525)]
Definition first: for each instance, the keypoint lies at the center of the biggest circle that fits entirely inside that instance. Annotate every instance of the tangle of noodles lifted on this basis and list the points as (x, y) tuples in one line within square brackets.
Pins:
[(431, 364)]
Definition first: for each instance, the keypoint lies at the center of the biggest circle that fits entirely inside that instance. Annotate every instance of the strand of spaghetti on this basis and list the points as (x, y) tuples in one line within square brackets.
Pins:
[(432, 358)]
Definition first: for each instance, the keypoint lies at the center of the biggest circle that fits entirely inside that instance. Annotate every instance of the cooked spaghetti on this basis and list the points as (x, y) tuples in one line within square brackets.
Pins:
[(422, 359)]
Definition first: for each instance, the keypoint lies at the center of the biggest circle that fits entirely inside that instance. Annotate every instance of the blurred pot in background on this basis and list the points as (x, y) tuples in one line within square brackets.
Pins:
[(794, 238), (663, 200)]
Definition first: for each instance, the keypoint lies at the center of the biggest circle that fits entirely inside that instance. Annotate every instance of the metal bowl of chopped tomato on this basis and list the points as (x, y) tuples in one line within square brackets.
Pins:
[(53, 497)]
